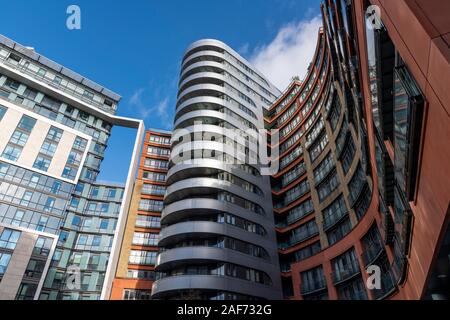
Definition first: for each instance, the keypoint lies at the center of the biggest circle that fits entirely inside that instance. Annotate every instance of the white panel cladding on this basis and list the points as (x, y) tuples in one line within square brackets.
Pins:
[(37, 136)]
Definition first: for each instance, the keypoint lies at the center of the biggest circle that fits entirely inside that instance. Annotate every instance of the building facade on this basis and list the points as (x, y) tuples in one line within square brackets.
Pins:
[(363, 155), (218, 238), (135, 270), (57, 222)]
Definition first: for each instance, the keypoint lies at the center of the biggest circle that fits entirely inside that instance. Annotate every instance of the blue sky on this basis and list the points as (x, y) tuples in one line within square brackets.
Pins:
[(135, 47)]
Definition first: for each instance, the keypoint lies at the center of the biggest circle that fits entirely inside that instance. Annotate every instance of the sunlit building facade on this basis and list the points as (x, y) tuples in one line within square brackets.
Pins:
[(135, 272), (57, 222)]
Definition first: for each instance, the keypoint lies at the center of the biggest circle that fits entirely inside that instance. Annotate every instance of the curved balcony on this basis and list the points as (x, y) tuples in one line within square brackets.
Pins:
[(313, 286), (213, 103), (180, 256), (204, 186), (192, 229), (173, 285), (185, 170), (351, 271), (193, 207)]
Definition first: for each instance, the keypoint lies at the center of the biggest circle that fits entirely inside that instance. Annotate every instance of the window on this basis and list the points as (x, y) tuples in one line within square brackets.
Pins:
[(88, 94), (4, 261), (25, 201), (347, 155), (2, 112), (132, 294), (42, 246), (94, 192), (48, 148), (63, 235), (26, 291), (334, 212), (112, 193), (42, 223), (82, 240), (148, 221), (87, 223), (57, 80), (318, 146), (42, 163), (76, 221), (307, 252), (14, 58), (20, 138), (69, 173), (18, 216), (34, 269), (56, 187), (12, 152), (49, 204), (151, 189), (141, 274), (80, 144), (41, 72), (27, 123), (357, 184), (324, 168), (142, 257), (150, 205), (104, 224), (328, 186), (408, 114), (345, 266), (339, 232), (12, 84), (9, 239), (153, 176), (96, 241), (145, 239), (54, 134), (312, 280)]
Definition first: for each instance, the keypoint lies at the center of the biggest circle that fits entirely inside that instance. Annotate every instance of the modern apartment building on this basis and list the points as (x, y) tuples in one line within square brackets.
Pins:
[(135, 269), (218, 236), (364, 156), (57, 222)]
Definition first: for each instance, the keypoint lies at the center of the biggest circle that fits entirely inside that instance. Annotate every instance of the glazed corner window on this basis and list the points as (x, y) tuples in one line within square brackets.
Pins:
[(408, 116)]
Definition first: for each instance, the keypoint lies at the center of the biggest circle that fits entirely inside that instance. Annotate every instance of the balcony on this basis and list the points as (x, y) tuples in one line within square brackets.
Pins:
[(349, 272), (332, 220), (387, 286), (372, 252), (356, 295), (313, 286), (297, 238)]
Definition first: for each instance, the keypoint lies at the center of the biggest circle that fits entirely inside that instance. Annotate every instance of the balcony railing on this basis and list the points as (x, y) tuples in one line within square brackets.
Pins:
[(313, 286), (297, 238), (372, 252), (330, 221), (357, 295), (387, 286), (345, 274)]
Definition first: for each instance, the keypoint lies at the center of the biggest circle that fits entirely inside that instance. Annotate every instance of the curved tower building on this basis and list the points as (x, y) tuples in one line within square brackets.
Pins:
[(361, 200), (218, 236)]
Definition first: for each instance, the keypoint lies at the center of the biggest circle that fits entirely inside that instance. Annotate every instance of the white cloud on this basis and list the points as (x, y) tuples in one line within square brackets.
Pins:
[(159, 111), (290, 52)]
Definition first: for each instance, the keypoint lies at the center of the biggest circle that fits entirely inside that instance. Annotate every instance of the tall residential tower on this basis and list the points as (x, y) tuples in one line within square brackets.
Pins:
[(218, 236)]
